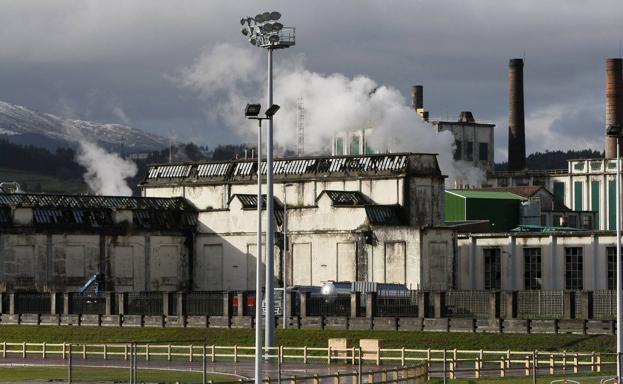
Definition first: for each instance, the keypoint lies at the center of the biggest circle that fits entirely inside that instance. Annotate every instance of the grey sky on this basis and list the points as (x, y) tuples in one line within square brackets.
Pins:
[(113, 61)]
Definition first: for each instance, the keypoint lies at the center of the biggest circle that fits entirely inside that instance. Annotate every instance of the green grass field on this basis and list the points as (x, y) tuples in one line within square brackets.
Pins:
[(48, 374), (311, 338)]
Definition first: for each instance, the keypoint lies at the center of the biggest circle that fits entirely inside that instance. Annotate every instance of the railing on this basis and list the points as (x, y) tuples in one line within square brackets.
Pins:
[(450, 362)]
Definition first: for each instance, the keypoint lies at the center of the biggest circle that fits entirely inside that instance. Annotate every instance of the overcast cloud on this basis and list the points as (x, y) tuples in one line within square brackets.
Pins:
[(118, 60)]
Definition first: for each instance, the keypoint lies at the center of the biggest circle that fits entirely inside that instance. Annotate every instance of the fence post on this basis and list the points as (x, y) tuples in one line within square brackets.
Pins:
[(587, 305), (510, 303), (477, 368), (169, 352), (212, 353), (165, 304), (203, 364), (336, 379), (422, 304), (370, 377), (69, 365), (43, 351), (593, 362), (502, 367), (226, 304), (122, 303), (84, 351), (303, 303), (180, 297), (453, 366), (66, 303), (535, 361), (125, 352), (24, 350), (62, 350), (354, 304), (439, 301), (564, 361), (236, 353), (241, 304), (598, 362), (190, 354), (575, 363), (108, 300), (370, 304), (105, 352), (146, 352), (402, 356), (384, 375), (329, 354), (552, 364), (305, 354), (316, 379)]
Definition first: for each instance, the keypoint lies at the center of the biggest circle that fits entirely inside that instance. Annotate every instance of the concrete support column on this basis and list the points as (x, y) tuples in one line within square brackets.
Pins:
[(494, 305), (53, 298), (587, 305), (108, 297), (289, 303), (510, 304), (165, 304), (11, 303), (303, 298), (240, 310), (66, 303), (354, 304), (567, 305), (370, 304), (122, 303), (226, 304), (180, 303), (439, 302), (423, 300)]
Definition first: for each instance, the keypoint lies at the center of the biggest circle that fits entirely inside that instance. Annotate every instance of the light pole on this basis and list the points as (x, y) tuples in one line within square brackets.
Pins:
[(264, 31), (615, 131), (285, 251), (252, 112)]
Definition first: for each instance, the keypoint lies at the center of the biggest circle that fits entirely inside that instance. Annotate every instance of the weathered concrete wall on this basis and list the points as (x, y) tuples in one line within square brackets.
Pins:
[(470, 260), (60, 262)]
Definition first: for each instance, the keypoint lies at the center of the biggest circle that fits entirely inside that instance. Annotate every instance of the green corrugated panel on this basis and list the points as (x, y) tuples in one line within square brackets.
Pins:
[(612, 218), (595, 200), (472, 194), (578, 196), (559, 191), (455, 207), (503, 214)]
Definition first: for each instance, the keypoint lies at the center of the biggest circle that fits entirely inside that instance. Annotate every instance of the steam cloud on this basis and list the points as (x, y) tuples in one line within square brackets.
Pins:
[(230, 76), (106, 172)]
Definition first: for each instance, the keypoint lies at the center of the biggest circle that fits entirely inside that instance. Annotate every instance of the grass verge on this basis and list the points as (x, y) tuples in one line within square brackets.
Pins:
[(84, 374), (308, 337)]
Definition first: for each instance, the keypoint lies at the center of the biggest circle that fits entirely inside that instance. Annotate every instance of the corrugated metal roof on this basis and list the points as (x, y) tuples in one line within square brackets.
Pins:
[(477, 194), (393, 163), (384, 214), (346, 198), (92, 202), (249, 201)]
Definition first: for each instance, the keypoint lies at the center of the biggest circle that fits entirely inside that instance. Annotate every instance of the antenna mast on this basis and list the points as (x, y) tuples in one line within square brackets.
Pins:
[(300, 125)]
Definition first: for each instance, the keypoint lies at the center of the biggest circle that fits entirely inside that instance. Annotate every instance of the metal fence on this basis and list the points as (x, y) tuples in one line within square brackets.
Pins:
[(144, 303), (337, 305), (468, 304), (396, 304), (31, 303), (86, 305), (604, 305), (204, 303), (540, 304)]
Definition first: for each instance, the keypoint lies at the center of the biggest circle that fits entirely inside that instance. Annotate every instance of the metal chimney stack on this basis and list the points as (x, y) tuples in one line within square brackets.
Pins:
[(614, 101), (516, 127), (417, 97)]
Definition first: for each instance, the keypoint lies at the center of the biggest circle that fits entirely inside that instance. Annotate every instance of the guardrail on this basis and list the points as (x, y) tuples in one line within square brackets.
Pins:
[(450, 362)]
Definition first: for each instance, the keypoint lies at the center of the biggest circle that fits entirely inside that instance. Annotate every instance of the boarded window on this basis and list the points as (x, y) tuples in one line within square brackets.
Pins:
[(208, 268), (301, 264), (395, 267), (74, 261), (346, 261), (483, 151), (493, 275)]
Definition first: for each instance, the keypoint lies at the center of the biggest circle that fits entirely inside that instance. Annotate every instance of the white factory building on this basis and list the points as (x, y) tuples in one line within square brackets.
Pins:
[(366, 218)]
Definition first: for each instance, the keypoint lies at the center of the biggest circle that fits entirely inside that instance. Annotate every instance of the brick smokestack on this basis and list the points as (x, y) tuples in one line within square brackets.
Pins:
[(614, 101), (516, 128)]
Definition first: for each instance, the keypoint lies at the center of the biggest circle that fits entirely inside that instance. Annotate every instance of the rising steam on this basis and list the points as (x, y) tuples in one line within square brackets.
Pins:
[(106, 172), (229, 77)]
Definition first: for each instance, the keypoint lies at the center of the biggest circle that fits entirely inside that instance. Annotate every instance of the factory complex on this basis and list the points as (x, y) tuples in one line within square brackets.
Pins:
[(355, 216)]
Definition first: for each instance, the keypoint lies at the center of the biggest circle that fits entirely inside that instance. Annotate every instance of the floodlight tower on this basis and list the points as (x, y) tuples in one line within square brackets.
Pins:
[(265, 31)]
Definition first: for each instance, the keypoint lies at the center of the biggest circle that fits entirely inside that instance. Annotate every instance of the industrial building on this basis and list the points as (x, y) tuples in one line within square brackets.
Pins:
[(365, 218)]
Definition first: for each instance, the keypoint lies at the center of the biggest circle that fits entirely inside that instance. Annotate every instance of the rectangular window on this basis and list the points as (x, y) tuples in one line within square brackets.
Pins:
[(493, 275), (532, 268), (611, 253), (469, 150), (579, 197), (483, 151), (339, 146), (574, 268), (458, 150), (595, 199), (354, 146), (572, 221), (559, 191), (587, 221)]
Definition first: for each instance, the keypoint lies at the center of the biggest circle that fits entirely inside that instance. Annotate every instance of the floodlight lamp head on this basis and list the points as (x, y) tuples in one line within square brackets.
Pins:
[(252, 40), (614, 130), (252, 110), (277, 27), (259, 18), (275, 15), (270, 112), (245, 31), (242, 21), (266, 16), (274, 38)]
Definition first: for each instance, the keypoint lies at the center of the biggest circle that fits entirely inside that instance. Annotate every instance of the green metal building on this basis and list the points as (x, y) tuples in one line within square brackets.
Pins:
[(502, 209)]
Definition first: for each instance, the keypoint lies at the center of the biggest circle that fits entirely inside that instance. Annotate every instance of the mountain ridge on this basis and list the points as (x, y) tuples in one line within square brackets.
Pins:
[(22, 125)]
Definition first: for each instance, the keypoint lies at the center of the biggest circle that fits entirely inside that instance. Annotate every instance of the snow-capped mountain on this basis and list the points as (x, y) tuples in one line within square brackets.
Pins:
[(22, 125)]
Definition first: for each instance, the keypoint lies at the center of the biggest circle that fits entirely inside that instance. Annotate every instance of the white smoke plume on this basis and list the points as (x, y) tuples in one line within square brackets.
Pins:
[(230, 77), (106, 172)]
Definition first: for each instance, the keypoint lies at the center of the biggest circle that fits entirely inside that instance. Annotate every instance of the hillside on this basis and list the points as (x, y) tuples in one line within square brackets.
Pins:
[(24, 126)]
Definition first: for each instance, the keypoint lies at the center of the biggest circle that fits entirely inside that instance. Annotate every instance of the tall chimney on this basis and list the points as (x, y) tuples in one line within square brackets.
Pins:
[(417, 97), (516, 128), (614, 101)]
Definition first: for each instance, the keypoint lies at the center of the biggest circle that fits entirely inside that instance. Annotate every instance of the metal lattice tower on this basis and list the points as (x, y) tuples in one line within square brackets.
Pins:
[(300, 125)]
